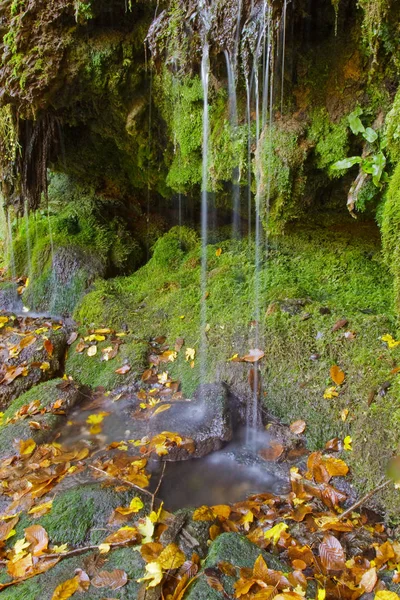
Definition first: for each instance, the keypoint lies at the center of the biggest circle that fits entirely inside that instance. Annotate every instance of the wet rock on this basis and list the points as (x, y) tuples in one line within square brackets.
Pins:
[(63, 279), (10, 300), (40, 364), (206, 419), (191, 536), (238, 551), (46, 393)]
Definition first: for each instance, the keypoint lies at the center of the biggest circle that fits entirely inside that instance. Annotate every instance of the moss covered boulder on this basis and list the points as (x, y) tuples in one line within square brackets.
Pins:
[(16, 422), (29, 356), (10, 300), (239, 552)]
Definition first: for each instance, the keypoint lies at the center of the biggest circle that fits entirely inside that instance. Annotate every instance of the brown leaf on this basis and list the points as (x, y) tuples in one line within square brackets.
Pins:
[(337, 375), (72, 338), (254, 355), (340, 324), (110, 579), (273, 452), (298, 427), (335, 445), (6, 528), (369, 580), (332, 554), (37, 536), (48, 347), (83, 579), (178, 344), (122, 370)]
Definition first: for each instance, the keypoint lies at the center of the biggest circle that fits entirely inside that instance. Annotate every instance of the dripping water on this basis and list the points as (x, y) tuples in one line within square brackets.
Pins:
[(10, 245), (283, 52), (205, 74), (28, 238), (233, 117)]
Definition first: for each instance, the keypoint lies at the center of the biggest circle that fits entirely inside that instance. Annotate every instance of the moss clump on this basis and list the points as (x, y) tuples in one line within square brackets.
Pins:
[(330, 139), (94, 372), (390, 230), (280, 170), (393, 130)]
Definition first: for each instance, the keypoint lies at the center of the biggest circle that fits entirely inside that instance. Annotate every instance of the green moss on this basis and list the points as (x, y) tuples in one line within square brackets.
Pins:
[(280, 170), (393, 130), (390, 230), (94, 372), (330, 139)]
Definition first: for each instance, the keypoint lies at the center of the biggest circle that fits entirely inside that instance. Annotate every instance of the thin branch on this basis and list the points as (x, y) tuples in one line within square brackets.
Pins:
[(158, 485), (364, 499), (142, 490)]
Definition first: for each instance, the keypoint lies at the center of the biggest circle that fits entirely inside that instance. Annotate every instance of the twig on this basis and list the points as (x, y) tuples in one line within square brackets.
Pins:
[(158, 485), (122, 480), (78, 551), (362, 500)]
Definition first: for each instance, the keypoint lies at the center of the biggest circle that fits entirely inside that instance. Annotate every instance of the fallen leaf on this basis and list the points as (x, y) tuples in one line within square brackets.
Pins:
[(48, 347), (110, 579), (72, 338), (347, 443), (218, 252), (332, 554), (27, 446), (92, 350), (337, 375), (254, 355), (298, 427), (122, 370), (37, 536), (66, 590), (340, 324)]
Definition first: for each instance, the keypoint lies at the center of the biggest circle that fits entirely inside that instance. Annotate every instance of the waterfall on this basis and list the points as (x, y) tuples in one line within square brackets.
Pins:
[(283, 52), (28, 238), (205, 75), (233, 117), (10, 245)]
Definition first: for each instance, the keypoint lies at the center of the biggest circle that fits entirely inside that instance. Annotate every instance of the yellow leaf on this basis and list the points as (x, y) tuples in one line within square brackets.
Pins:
[(321, 594), (147, 530), (59, 549), (135, 506), (20, 545), (97, 418), (347, 443), (218, 252), (391, 343), (330, 393), (275, 532), (66, 590), (45, 366), (104, 548), (190, 353), (27, 446), (161, 409), (154, 574), (344, 414), (386, 595), (171, 557)]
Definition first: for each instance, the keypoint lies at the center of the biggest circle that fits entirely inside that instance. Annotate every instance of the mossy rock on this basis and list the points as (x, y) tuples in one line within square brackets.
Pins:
[(42, 586), (80, 514), (239, 552), (47, 393), (92, 371), (33, 356)]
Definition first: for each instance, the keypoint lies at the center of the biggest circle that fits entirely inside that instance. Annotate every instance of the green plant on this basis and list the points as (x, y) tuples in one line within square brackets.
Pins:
[(372, 160)]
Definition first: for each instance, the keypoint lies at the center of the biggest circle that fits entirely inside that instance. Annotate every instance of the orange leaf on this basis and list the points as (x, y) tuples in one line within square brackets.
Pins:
[(122, 370), (49, 347), (337, 375), (332, 554), (254, 355), (37, 536)]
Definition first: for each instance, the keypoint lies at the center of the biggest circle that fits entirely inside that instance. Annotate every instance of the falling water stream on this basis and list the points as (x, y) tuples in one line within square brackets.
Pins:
[(205, 74)]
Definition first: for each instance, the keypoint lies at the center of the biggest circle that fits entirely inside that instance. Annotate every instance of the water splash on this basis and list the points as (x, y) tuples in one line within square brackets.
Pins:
[(284, 15)]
